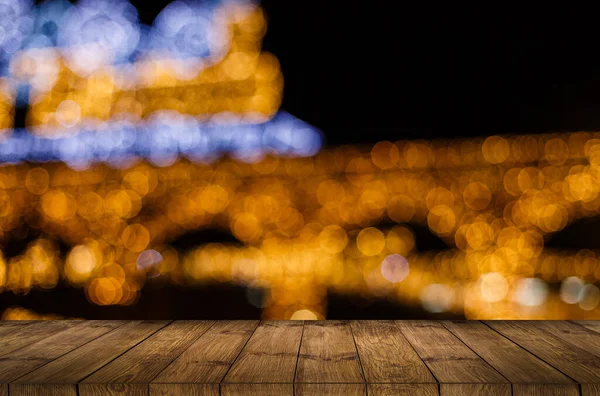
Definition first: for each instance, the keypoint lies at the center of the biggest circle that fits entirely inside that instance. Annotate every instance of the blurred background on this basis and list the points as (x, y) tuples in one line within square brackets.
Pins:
[(229, 159)]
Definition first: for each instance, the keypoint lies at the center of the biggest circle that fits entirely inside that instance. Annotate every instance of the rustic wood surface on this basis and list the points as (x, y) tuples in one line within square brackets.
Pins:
[(217, 358)]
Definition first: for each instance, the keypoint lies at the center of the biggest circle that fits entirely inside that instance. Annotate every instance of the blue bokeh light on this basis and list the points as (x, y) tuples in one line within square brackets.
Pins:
[(188, 29), (94, 33), (16, 25), (99, 32), (49, 18), (162, 139)]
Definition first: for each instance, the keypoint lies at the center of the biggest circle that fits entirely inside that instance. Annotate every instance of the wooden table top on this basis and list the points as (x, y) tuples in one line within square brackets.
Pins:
[(299, 358)]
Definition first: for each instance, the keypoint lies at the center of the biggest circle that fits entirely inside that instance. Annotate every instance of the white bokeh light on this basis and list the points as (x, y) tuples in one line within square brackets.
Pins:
[(493, 287), (437, 298), (394, 268), (589, 297), (531, 292), (570, 290)]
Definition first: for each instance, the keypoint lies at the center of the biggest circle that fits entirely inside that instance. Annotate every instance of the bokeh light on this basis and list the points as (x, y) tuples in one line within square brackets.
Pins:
[(16, 23), (138, 135), (96, 33), (394, 268)]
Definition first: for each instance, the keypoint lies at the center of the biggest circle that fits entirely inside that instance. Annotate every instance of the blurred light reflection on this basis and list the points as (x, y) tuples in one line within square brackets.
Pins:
[(138, 135)]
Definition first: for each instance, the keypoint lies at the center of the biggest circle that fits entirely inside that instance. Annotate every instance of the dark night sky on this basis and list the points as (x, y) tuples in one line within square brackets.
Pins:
[(369, 71), (386, 71)]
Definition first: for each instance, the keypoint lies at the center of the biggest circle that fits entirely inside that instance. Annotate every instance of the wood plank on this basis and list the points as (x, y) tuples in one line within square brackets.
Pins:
[(130, 389), (402, 389), (572, 333), (593, 325), (11, 326), (257, 389), (328, 354), (447, 357), (590, 389), (270, 355), (576, 362), (513, 362), (545, 390), (330, 389), (46, 390), (184, 389), (138, 358), (208, 359), (33, 333), (475, 389), (24, 360), (386, 355), (83, 361), (145, 361)]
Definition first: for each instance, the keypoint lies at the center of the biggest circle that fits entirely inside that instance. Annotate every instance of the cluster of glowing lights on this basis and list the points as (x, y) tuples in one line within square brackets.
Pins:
[(123, 153), (100, 86), (164, 138), (340, 221), (16, 22), (93, 33)]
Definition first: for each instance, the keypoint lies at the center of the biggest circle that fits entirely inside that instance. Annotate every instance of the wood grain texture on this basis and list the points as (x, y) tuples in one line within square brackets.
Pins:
[(257, 390), (33, 332), (184, 389), (572, 333), (328, 354), (513, 362), (593, 325), (475, 389), (11, 326), (43, 390), (294, 358), (22, 361), (448, 358), (545, 390), (209, 358), (83, 361), (576, 362), (330, 390), (145, 361), (113, 389), (402, 389), (270, 355), (386, 356), (590, 389)]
